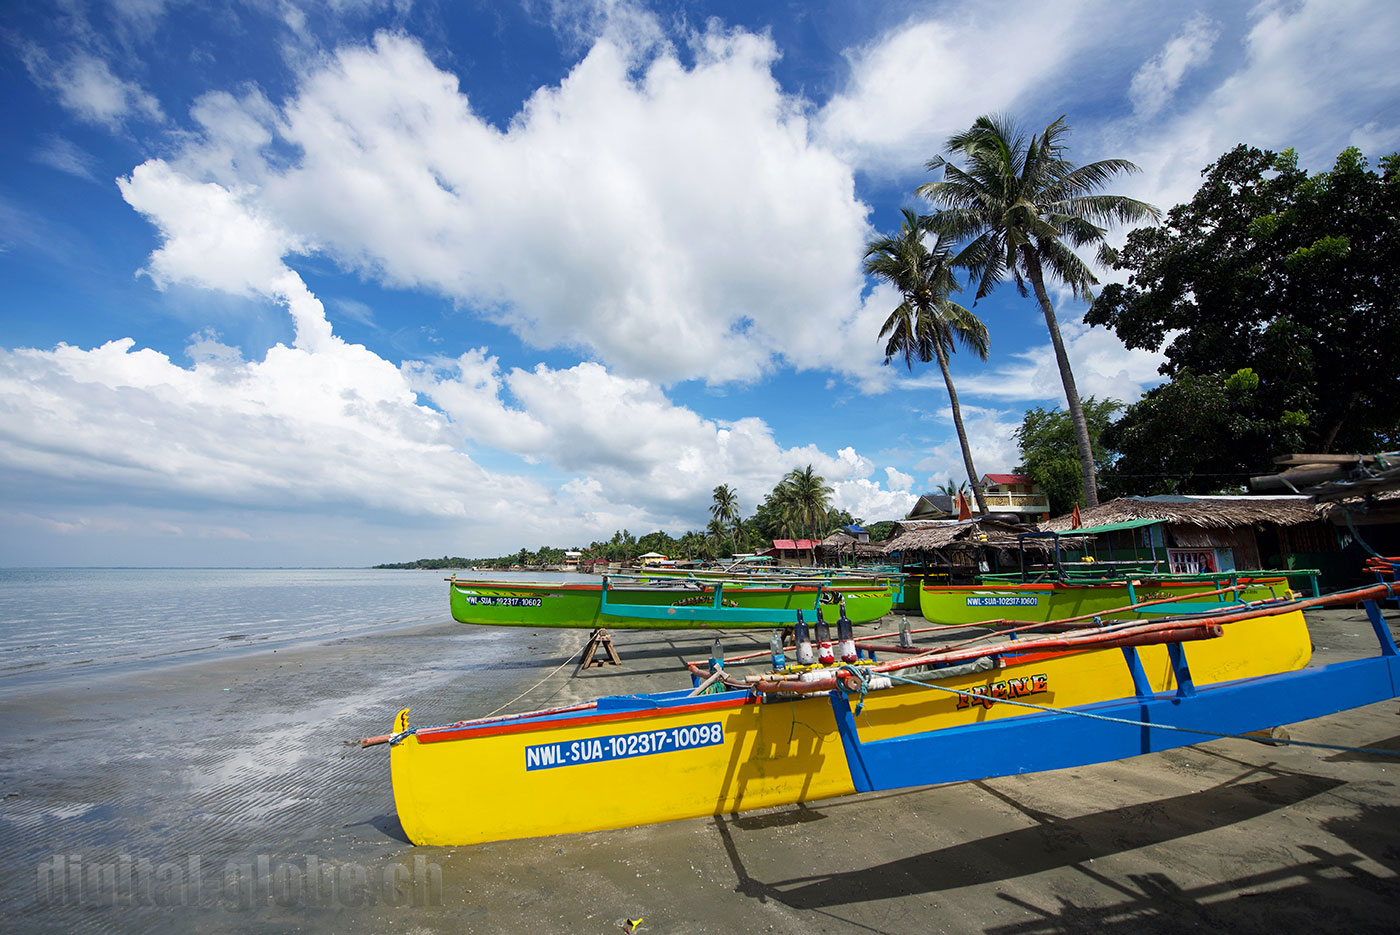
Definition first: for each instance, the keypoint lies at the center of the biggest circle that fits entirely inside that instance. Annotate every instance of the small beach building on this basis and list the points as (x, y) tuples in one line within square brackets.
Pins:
[(1181, 533), (792, 551), (651, 558), (843, 547), (957, 551)]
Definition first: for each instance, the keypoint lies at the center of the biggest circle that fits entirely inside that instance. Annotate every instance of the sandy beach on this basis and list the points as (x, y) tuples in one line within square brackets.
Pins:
[(228, 795)]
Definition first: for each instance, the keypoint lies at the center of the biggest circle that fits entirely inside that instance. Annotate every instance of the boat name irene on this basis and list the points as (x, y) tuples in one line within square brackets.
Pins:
[(1011, 688)]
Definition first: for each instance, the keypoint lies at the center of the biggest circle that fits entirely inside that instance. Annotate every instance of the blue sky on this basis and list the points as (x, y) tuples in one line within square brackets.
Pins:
[(322, 284)]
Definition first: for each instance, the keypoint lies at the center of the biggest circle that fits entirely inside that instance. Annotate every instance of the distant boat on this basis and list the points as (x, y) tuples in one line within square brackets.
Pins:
[(950, 714), (629, 603)]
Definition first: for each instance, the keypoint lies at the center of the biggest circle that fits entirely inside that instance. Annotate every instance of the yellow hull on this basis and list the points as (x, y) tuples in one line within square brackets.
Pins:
[(593, 770)]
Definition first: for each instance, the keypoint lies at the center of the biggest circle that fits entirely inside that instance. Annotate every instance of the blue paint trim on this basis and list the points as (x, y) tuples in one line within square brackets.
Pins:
[(850, 741), (1036, 742)]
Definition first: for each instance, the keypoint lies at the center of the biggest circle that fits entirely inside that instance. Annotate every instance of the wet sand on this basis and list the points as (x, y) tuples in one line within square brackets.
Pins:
[(228, 795)]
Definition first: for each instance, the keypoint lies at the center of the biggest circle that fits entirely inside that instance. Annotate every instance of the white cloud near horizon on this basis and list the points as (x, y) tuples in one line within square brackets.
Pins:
[(332, 425)]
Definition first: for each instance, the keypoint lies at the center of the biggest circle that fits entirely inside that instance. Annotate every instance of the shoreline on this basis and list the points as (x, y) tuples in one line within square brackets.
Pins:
[(243, 773)]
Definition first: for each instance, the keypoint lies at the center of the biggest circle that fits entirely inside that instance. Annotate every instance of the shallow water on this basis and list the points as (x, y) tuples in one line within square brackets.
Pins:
[(62, 622)]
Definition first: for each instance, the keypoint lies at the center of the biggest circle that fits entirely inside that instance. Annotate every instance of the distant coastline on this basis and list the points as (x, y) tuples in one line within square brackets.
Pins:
[(434, 563)]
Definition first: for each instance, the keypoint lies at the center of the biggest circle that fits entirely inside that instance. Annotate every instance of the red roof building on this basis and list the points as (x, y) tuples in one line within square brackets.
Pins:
[(1015, 493), (1004, 480)]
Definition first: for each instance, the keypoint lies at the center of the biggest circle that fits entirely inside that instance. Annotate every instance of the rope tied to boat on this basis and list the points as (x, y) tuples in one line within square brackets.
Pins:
[(845, 674), (395, 738), (1134, 723)]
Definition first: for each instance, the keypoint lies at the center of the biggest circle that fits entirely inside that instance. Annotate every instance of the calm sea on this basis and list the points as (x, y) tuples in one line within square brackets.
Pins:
[(61, 622)]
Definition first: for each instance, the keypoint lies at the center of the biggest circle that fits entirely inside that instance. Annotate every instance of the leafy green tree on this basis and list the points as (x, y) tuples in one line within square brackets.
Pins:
[(839, 519), (1200, 433), (927, 325), (1025, 208), (1295, 277), (880, 531), (1050, 452)]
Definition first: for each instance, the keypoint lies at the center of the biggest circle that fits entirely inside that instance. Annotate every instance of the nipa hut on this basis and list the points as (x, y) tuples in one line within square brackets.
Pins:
[(1208, 534), (843, 548), (961, 549)]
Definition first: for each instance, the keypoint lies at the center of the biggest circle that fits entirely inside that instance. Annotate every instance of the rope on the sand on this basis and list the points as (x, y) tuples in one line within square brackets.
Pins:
[(1132, 723), (539, 683)]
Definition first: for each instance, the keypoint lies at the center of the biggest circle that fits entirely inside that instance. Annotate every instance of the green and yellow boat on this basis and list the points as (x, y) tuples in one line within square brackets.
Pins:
[(1112, 599), (629, 604)]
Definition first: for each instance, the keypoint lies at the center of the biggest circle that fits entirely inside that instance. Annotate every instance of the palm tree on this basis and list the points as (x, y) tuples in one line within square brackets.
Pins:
[(805, 498), (1025, 207), (950, 489), (725, 510), (927, 323), (714, 536)]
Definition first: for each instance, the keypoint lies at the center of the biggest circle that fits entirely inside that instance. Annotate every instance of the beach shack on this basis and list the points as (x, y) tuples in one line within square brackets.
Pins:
[(957, 551), (1190, 534), (652, 558), (792, 551), (849, 545)]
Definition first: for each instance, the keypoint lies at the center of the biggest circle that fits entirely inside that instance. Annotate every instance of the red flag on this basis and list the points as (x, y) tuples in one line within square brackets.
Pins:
[(964, 511), (1075, 522)]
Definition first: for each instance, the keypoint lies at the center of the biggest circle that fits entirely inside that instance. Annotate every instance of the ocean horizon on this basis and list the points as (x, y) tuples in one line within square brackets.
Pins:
[(64, 622)]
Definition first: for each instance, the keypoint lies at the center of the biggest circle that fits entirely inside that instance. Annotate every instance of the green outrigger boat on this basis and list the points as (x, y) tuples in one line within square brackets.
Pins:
[(679, 605), (1112, 599)]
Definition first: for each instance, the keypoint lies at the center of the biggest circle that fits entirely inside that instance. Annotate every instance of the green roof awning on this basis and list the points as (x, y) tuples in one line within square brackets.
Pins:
[(1111, 527)]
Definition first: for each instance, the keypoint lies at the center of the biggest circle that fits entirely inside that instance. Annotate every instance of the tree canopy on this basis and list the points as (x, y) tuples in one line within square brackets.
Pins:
[(1050, 452), (1296, 279)]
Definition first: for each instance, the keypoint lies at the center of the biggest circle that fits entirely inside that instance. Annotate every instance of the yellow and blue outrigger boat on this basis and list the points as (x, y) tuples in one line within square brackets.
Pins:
[(1024, 703)]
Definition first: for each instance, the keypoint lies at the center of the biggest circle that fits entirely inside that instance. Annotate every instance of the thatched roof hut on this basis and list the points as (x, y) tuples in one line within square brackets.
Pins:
[(841, 545), (965, 547), (1206, 533), (1205, 512)]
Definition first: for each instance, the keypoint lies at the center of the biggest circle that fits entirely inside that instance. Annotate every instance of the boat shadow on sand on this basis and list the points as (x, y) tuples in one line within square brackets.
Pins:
[(1328, 892), (1051, 843)]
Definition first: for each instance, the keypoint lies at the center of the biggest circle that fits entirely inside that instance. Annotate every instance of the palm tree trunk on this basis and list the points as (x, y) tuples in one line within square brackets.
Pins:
[(1076, 411), (973, 477)]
